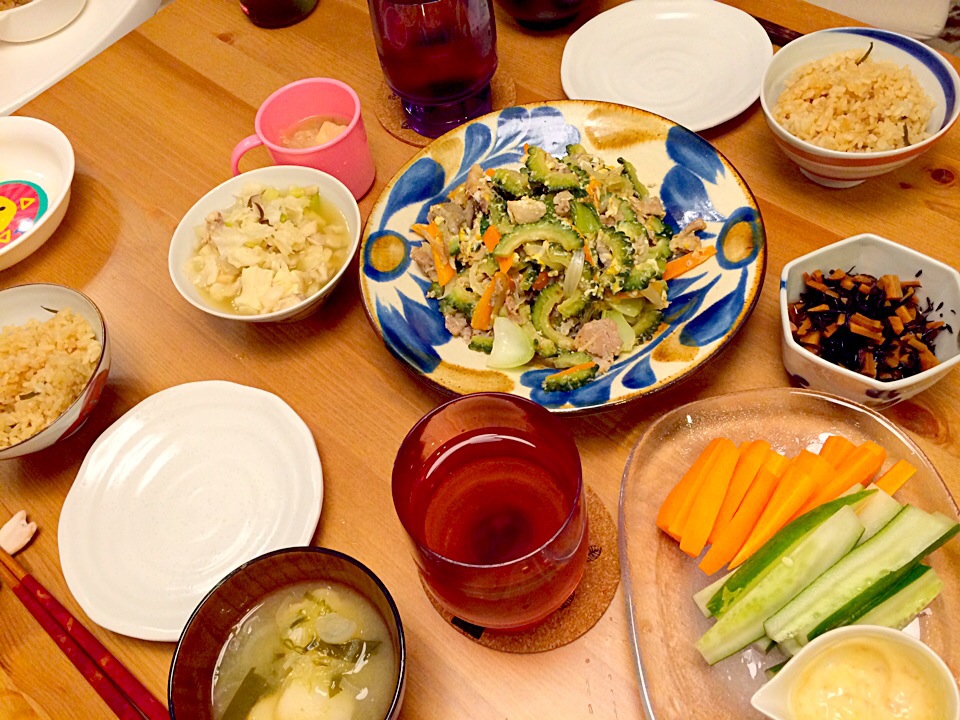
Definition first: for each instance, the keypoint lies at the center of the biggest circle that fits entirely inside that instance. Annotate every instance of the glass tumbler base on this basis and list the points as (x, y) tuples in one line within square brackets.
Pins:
[(435, 119)]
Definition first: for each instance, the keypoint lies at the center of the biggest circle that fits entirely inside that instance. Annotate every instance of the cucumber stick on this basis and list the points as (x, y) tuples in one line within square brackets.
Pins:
[(899, 610), (763, 560), (702, 597), (742, 623), (875, 512), (864, 573)]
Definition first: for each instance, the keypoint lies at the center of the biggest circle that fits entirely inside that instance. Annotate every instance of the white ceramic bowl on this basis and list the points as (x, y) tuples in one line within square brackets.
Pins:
[(36, 169), (38, 19), (35, 302), (837, 169), (183, 244), (773, 699), (873, 255)]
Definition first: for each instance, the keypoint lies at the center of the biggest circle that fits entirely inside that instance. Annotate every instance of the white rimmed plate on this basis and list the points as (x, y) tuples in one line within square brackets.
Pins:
[(186, 486), (696, 62), (708, 306)]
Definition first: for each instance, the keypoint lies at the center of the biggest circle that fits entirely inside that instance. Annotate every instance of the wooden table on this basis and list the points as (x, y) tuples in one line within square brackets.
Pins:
[(153, 120)]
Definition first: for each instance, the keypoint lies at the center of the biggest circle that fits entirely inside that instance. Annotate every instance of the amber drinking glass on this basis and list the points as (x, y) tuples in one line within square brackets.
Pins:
[(438, 57), (489, 489)]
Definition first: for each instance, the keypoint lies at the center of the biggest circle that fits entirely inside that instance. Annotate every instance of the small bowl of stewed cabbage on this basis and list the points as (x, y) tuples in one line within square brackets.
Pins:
[(297, 633), (268, 245)]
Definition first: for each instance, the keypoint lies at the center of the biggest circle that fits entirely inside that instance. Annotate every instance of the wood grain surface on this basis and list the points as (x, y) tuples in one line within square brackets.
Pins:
[(153, 120)]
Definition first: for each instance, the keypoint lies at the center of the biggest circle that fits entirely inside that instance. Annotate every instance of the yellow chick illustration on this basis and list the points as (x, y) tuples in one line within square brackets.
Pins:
[(8, 208)]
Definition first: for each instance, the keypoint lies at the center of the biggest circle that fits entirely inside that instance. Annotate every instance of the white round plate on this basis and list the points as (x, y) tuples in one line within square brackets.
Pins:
[(696, 62), (186, 486)]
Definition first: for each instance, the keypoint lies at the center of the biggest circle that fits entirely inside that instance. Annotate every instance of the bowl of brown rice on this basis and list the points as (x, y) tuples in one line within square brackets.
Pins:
[(54, 360), (848, 104)]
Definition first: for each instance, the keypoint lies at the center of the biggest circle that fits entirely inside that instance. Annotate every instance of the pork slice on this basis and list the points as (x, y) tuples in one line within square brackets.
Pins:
[(422, 256), (600, 339), (453, 216), (457, 325), (686, 240)]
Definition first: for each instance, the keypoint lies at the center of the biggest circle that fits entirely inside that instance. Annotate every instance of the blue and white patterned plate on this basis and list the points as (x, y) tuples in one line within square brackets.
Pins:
[(708, 305)]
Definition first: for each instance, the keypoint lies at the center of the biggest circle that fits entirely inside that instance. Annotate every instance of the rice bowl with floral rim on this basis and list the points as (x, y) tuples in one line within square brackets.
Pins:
[(837, 168)]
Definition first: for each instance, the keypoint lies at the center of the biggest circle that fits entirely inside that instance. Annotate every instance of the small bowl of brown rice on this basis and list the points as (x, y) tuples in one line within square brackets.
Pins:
[(848, 104), (54, 360)]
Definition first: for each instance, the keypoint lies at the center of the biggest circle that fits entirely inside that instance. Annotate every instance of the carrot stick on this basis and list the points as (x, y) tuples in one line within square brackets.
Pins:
[(679, 524), (703, 513), (859, 467), (572, 370), (685, 263), (491, 237), (894, 478), (675, 498), (732, 537), (795, 487), (752, 456), (482, 313), (836, 449), (431, 233), (445, 272)]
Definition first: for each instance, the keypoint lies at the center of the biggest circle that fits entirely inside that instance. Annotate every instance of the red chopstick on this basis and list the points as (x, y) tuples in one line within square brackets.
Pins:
[(119, 688)]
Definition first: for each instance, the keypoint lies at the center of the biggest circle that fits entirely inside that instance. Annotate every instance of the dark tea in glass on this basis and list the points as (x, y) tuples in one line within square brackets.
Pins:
[(276, 13), (438, 57), (542, 14), (489, 489)]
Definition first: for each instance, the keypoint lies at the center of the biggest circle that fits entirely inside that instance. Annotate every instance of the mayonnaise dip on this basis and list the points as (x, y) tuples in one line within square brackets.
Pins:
[(868, 678)]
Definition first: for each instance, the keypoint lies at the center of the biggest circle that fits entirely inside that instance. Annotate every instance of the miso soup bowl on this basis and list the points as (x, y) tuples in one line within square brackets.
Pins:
[(198, 651)]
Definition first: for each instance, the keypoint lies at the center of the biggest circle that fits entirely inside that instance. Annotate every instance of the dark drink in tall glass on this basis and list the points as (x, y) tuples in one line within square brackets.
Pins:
[(276, 13), (438, 57), (490, 492), (542, 14)]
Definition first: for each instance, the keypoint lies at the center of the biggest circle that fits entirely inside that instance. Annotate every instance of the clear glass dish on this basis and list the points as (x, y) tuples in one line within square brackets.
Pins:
[(659, 580)]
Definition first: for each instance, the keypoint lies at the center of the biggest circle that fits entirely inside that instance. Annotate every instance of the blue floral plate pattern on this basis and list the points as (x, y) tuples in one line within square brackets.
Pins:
[(708, 305)]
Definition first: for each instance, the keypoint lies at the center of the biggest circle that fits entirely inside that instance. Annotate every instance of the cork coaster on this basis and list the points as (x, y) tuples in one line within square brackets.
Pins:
[(390, 111), (582, 610)]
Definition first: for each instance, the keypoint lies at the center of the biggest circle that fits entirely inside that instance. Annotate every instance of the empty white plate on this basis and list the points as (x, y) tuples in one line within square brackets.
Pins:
[(696, 62), (186, 486)]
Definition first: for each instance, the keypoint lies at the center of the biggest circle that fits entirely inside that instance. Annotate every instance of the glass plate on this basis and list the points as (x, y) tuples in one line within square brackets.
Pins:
[(659, 580)]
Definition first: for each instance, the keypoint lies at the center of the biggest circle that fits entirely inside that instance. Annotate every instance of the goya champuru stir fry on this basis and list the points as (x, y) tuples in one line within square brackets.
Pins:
[(562, 261)]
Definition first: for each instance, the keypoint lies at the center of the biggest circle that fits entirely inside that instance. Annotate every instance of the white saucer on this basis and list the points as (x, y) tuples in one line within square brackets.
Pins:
[(696, 62), (186, 486)]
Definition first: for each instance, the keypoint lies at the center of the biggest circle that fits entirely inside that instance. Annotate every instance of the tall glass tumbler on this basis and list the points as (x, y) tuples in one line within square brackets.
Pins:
[(489, 489), (438, 57)]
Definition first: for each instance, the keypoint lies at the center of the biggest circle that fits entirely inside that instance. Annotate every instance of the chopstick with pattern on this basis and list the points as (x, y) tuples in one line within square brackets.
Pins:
[(124, 694)]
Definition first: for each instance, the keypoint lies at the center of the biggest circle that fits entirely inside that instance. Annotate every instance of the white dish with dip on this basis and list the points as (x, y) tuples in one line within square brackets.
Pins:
[(189, 484), (864, 661)]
